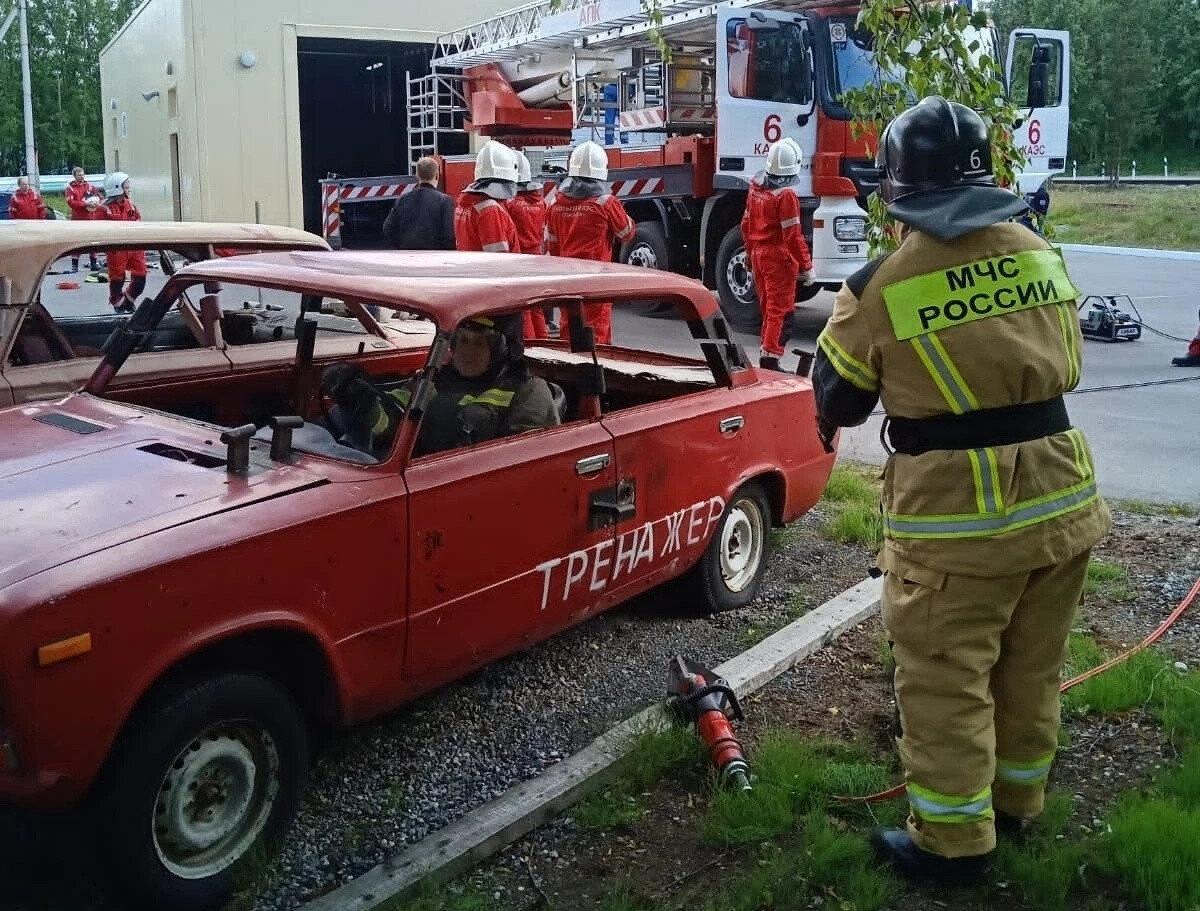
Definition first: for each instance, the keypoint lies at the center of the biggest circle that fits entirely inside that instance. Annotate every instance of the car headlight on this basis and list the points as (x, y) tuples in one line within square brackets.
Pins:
[(850, 227)]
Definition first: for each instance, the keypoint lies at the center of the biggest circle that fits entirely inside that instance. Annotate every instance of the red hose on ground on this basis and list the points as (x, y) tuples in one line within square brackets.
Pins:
[(1183, 605)]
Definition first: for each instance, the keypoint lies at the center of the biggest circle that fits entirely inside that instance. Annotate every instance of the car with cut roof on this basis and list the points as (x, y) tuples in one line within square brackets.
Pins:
[(225, 574)]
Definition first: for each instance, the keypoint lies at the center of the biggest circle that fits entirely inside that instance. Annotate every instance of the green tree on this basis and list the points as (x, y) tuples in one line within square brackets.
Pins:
[(923, 49), (65, 40)]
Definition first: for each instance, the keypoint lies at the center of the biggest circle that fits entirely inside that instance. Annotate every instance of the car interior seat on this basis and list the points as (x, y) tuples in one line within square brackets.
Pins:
[(560, 400)]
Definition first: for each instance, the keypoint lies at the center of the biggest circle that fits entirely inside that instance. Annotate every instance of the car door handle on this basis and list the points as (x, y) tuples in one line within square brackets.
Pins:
[(592, 464), (729, 425)]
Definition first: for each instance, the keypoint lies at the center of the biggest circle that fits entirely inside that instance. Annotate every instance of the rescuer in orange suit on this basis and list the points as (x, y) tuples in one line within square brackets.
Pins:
[(481, 219), (528, 211), (775, 247), (584, 221), (1192, 358), (119, 207), (969, 336)]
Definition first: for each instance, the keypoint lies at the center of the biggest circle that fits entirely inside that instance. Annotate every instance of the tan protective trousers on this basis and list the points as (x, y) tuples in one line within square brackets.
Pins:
[(978, 665)]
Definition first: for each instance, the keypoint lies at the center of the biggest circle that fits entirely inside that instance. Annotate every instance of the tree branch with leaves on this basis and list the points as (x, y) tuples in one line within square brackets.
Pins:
[(922, 49)]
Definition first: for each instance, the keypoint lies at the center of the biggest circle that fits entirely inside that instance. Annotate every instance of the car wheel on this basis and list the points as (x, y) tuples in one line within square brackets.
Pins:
[(206, 772), (735, 283), (648, 249), (732, 567)]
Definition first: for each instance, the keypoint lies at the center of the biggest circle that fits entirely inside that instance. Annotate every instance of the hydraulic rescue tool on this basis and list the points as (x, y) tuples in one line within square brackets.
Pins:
[(709, 702), (1106, 320)]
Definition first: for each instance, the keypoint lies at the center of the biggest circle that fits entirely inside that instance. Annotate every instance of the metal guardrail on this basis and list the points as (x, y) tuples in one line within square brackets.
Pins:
[(1180, 181)]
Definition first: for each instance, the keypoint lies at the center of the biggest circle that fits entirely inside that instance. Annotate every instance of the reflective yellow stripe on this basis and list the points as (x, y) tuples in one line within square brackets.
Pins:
[(1081, 459), (935, 807), (849, 369), (944, 374), (977, 290), (402, 396), (379, 425), (1068, 320), (1020, 515), (987, 480), (1026, 772), (497, 398)]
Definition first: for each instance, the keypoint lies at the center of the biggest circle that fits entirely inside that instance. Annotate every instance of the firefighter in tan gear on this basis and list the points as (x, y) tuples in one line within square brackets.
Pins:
[(968, 335)]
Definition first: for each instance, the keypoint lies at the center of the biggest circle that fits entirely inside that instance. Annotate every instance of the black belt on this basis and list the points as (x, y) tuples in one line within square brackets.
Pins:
[(979, 429)]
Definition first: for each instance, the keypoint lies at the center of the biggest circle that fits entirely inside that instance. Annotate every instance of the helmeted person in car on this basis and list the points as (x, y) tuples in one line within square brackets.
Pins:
[(486, 391), (968, 335)]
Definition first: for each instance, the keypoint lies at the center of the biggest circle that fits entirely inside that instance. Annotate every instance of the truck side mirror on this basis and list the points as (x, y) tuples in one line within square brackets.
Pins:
[(1039, 75)]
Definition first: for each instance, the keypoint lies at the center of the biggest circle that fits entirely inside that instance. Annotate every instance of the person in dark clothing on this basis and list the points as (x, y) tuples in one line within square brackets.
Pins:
[(485, 392), (423, 218)]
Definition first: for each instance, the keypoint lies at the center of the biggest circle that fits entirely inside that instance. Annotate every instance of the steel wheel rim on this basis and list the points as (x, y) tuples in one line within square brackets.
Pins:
[(742, 540), (739, 277), (643, 255), (215, 799)]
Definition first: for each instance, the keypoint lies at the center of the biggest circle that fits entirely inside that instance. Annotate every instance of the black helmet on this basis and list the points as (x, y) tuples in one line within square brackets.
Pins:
[(505, 333), (934, 145)]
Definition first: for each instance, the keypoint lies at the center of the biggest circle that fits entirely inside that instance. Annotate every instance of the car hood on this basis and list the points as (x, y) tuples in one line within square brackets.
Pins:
[(82, 474)]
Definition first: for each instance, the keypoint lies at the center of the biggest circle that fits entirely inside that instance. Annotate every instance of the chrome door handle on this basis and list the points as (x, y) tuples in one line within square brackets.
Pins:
[(728, 425), (592, 464)]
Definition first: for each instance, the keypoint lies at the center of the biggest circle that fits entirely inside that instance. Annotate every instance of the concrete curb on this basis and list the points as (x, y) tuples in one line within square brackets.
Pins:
[(524, 807), (1144, 252)]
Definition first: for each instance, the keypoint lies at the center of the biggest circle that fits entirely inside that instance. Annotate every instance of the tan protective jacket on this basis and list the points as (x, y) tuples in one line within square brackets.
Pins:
[(986, 320)]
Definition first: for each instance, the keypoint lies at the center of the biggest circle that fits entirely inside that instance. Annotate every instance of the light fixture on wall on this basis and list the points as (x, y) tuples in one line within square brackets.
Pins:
[(170, 68), (151, 95), (247, 59), (112, 103)]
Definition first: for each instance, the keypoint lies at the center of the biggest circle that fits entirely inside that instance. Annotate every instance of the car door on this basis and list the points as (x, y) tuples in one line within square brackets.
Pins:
[(510, 541), (675, 460), (1043, 56), (765, 89)]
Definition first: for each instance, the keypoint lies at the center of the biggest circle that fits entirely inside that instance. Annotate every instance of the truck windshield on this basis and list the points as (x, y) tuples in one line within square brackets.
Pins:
[(854, 62)]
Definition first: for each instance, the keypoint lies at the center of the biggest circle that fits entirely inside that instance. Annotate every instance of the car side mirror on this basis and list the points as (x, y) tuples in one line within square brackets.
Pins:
[(1039, 75)]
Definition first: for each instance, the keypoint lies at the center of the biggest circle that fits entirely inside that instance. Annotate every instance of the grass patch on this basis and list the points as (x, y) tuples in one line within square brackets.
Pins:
[(1108, 580), (651, 756), (851, 483), (782, 536), (1182, 784), (856, 524), (1159, 217), (1045, 868), (1143, 508), (1154, 850), (428, 896)]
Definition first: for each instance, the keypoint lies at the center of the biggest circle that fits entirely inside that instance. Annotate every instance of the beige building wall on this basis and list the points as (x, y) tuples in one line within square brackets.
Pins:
[(235, 90)]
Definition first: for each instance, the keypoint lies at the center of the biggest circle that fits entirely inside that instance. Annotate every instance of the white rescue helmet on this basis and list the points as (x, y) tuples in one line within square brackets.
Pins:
[(496, 161), (588, 160), (524, 169), (114, 184), (783, 159)]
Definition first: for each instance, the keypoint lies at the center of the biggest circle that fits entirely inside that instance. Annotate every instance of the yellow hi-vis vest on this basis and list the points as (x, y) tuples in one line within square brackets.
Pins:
[(987, 320)]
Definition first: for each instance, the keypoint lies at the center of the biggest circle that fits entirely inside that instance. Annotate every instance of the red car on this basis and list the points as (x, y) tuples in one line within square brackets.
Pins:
[(190, 583)]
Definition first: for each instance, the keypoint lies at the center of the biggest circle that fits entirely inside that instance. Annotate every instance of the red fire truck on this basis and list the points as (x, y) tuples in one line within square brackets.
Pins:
[(685, 135)]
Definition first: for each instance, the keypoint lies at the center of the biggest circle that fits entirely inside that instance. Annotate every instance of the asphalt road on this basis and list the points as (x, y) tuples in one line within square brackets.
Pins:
[(1146, 440)]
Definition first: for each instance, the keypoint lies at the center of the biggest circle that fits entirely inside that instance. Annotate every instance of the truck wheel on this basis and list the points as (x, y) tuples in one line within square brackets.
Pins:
[(208, 770), (732, 567), (735, 284), (648, 249), (808, 292)]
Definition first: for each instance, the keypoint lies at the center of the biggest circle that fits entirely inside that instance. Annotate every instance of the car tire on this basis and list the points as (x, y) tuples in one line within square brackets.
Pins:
[(648, 249), (735, 284), (731, 569), (206, 771)]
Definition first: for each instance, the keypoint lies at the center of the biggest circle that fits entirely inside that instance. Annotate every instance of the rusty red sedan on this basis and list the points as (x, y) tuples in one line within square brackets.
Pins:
[(198, 571)]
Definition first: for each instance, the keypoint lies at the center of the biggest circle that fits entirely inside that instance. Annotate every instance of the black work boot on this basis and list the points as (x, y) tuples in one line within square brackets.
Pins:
[(769, 363), (1014, 828), (897, 848), (1186, 361)]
